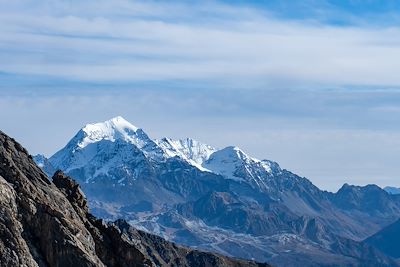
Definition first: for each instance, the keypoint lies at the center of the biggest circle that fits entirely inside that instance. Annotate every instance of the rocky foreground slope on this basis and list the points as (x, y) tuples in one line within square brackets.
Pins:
[(45, 223)]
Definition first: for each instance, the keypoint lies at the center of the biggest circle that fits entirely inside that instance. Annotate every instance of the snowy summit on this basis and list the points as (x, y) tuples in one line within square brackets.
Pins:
[(115, 128)]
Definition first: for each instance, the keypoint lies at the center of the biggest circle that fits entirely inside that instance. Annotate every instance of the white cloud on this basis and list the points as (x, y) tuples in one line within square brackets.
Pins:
[(139, 41)]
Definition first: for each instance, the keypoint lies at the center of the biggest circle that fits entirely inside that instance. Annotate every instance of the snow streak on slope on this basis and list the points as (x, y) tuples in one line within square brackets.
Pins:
[(188, 149)]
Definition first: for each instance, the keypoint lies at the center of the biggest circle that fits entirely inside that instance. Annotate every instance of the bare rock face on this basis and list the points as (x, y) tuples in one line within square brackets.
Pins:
[(39, 226), (44, 223), (72, 191)]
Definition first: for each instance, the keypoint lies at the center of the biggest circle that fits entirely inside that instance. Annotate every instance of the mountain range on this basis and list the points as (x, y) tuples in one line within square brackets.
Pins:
[(223, 200), (46, 222)]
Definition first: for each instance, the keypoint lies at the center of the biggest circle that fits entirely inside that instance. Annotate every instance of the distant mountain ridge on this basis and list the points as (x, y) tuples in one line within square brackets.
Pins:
[(392, 190), (223, 199)]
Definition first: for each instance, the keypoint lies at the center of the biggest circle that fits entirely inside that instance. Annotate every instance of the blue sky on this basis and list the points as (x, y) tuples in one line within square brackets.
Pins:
[(313, 85), (336, 12)]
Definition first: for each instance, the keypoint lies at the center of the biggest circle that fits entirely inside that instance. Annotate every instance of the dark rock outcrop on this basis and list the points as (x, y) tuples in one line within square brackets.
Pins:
[(44, 223)]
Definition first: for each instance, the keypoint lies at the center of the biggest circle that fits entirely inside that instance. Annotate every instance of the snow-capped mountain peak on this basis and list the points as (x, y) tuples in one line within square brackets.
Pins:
[(232, 154), (187, 148), (226, 162), (116, 142), (111, 130), (232, 163), (103, 138)]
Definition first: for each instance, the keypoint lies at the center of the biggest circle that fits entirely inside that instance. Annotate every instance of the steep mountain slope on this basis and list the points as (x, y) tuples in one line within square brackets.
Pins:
[(223, 200), (44, 223), (387, 240)]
